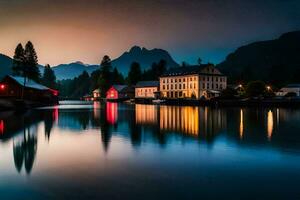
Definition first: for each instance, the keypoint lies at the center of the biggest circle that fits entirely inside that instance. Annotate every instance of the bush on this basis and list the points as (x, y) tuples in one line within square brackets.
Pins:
[(228, 93), (255, 89)]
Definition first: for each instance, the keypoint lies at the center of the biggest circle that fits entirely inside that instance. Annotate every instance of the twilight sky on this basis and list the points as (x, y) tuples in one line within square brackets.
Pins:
[(64, 31)]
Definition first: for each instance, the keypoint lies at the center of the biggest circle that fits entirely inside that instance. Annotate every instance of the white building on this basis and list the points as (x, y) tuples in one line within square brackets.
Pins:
[(146, 89), (289, 89)]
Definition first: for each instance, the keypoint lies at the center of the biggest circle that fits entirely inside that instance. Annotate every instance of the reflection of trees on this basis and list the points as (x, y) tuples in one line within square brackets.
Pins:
[(74, 119), (134, 129), (24, 151), (49, 119)]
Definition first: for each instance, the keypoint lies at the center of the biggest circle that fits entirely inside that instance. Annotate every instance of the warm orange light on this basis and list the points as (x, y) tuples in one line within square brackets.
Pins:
[(270, 124), (241, 124)]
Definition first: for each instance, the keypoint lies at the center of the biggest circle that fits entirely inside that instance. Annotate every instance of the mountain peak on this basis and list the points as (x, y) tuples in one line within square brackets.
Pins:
[(135, 49)]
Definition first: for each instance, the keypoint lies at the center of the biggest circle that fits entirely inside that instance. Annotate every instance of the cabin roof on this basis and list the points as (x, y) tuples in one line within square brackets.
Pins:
[(29, 83), (96, 90), (119, 88), (147, 84)]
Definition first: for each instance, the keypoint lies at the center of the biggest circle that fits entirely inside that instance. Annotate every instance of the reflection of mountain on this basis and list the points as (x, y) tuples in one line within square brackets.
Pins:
[(74, 119), (24, 150)]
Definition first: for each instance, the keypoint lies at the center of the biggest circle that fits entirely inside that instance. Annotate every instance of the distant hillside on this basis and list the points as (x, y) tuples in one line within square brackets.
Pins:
[(143, 56), (275, 61), (5, 65), (136, 54), (72, 70)]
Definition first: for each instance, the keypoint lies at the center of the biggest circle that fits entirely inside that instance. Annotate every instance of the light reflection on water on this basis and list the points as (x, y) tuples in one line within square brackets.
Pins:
[(137, 151)]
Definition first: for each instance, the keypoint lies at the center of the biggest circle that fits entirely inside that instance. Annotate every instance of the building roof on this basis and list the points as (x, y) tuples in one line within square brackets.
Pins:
[(187, 70), (96, 90), (29, 83), (147, 84), (119, 88)]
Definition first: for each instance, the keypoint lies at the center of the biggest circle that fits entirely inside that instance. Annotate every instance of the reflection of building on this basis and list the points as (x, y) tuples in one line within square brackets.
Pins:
[(192, 120), (182, 119), (118, 92), (112, 112), (1, 127), (146, 114), (270, 124), (192, 82), (146, 89), (293, 89)]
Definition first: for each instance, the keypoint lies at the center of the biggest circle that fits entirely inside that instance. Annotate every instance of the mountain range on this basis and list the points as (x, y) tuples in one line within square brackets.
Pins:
[(68, 71), (5, 65), (136, 54), (275, 60)]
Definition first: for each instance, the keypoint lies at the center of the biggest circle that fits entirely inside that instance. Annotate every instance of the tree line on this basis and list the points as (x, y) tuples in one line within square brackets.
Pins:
[(25, 64)]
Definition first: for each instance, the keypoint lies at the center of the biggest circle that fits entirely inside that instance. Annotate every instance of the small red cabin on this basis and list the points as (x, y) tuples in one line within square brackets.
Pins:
[(15, 87), (120, 92)]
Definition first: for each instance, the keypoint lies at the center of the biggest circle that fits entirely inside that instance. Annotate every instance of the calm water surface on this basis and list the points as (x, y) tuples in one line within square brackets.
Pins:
[(120, 151)]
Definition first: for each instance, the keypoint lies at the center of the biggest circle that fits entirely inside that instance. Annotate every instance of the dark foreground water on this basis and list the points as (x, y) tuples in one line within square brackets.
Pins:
[(119, 151)]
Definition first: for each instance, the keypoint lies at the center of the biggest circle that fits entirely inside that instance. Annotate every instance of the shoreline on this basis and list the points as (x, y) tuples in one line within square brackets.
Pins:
[(6, 105)]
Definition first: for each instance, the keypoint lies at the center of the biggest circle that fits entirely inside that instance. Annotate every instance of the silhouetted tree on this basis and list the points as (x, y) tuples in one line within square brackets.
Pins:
[(49, 77), (95, 80), (31, 69), (134, 74), (117, 78), (81, 85), (199, 61), (105, 75), (255, 88), (18, 61)]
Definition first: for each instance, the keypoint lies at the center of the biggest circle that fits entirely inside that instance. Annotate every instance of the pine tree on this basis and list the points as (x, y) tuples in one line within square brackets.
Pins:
[(134, 74), (105, 75), (117, 78), (18, 61), (49, 77), (31, 69)]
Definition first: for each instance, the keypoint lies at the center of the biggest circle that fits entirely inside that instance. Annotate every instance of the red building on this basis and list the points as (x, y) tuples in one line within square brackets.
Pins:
[(13, 87), (120, 92)]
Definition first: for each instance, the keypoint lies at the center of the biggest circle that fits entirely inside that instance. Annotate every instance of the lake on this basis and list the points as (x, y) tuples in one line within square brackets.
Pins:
[(128, 151)]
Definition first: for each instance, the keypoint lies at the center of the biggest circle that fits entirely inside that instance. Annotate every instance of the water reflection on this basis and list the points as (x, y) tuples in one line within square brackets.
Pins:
[(270, 124), (24, 150), (148, 123), (241, 124)]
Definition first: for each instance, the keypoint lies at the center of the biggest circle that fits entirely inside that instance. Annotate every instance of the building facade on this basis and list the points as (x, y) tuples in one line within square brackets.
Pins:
[(120, 92), (146, 89), (96, 94), (200, 81), (289, 90), (13, 87)]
